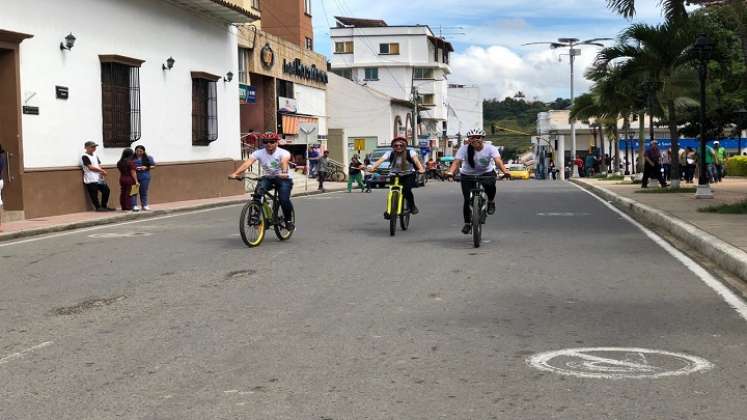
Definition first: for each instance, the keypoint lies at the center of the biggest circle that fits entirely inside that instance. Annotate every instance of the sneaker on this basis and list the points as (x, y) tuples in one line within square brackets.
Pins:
[(290, 226), (109, 209), (102, 209), (146, 208), (491, 207), (467, 228), (136, 208), (414, 210), (386, 215)]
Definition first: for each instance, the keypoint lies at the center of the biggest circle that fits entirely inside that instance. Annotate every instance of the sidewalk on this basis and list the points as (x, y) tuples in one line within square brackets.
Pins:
[(722, 237), (40, 226)]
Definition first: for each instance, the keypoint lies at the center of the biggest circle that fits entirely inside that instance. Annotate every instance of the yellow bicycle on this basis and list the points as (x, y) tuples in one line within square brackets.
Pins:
[(395, 208)]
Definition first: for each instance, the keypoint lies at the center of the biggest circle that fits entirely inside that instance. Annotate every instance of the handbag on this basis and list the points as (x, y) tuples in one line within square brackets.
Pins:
[(135, 189)]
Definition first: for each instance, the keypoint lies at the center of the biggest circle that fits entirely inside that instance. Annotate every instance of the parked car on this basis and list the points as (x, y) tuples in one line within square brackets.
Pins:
[(381, 178), (518, 171)]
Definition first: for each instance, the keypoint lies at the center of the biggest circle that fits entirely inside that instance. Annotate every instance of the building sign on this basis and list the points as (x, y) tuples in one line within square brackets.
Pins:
[(287, 105), (267, 56), (298, 69), (247, 94), (360, 144)]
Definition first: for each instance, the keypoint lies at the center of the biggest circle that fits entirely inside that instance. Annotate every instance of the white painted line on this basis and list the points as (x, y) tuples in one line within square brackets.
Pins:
[(616, 363), (20, 354), (730, 297), (152, 219)]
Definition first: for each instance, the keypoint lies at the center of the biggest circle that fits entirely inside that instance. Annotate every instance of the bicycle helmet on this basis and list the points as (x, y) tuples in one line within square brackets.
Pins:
[(269, 136), (476, 133)]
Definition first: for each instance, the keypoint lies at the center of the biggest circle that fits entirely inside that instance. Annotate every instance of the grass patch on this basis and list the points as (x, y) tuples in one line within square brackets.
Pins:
[(667, 190), (736, 208)]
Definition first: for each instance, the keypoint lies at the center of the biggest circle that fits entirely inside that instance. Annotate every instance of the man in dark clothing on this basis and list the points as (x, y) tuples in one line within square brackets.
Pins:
[(323, 169), (652, 165), (93, 177)]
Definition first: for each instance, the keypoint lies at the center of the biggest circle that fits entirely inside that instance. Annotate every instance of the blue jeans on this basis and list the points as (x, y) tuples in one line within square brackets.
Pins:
[(284, 187), (712, 174), (144, 183)]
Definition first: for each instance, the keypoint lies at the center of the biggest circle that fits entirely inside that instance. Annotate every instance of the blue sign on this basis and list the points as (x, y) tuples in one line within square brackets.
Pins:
[(247, 94), (684, 143)]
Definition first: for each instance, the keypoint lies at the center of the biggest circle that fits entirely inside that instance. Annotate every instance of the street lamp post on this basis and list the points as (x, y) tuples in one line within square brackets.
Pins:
[(703, 48), (571, 44)]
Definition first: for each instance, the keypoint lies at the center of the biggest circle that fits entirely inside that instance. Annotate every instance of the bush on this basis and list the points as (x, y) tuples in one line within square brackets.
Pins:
[(737, 166)]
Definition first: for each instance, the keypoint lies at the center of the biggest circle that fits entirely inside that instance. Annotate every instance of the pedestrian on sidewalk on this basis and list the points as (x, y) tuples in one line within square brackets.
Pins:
[(313, 161), (652, 165), (127, 180), (144, 163), (690, 160), (666, 163), (710, 164), (2, 171), (354, 174), (590, 163), (720, 155), (93, 177), (552, 170), (323, 169)]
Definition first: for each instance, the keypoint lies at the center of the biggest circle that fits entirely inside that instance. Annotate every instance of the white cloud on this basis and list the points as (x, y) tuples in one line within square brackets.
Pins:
[(501, 72)]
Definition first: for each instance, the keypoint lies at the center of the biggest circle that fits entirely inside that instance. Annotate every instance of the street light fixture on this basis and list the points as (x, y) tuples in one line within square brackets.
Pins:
[(571, 44), (703, 49), (69, 42)]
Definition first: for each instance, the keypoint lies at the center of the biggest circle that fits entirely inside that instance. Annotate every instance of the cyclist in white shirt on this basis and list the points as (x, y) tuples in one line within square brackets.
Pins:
[(403, 161), (477, 158), (275, 163)]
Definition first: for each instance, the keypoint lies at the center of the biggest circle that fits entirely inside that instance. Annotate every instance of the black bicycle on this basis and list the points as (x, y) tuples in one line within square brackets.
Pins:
[(261, 213), (478, 200)]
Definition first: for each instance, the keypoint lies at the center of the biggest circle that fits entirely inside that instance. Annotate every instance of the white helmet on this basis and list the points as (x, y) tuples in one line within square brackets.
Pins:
[(476, 133)]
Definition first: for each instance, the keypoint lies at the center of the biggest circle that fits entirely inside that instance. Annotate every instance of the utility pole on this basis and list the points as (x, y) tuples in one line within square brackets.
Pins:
[(571, 44), (414, 116)]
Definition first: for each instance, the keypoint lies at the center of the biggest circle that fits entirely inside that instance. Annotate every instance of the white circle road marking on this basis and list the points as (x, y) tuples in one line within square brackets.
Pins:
[(618, 363), (113, 235)]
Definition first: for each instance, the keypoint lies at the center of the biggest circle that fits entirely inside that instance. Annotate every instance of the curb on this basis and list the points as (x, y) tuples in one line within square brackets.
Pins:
[(4, 237), (727, 256)]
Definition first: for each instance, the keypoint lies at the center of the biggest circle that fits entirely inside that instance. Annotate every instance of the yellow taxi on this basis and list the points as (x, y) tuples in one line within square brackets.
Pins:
[(518, 171)]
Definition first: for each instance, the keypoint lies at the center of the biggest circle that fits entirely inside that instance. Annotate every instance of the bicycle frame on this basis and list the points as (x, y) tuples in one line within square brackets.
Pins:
[(395, 186)]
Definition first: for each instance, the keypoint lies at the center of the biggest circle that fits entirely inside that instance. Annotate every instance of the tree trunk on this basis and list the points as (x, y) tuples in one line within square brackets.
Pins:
[(616, 138), (602, 167), (673, 132), (641, 141)]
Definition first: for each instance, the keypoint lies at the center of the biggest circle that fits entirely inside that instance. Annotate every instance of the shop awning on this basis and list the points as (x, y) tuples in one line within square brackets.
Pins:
[(291, 123), (224, 10)]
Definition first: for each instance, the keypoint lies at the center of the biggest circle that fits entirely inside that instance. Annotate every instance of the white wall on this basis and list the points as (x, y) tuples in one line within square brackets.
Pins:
[(361, 111), (312, 101), (142, 29), (466, 110)]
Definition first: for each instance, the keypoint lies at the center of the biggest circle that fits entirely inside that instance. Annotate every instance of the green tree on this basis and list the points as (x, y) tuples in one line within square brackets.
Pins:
[(658, 54)]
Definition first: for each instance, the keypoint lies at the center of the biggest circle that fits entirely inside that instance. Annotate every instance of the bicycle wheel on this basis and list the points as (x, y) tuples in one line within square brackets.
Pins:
[(393, 204), (338, 176), (476, 225), (404, 220), (281, 230), (252, 225)]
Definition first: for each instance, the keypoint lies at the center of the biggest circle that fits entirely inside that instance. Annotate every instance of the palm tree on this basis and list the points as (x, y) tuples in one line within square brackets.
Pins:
[(674, 10), (659, 54)]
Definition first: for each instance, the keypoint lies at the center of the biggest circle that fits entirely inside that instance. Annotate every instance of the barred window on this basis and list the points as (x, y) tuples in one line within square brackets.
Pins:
[(120, 100), (204, 108)]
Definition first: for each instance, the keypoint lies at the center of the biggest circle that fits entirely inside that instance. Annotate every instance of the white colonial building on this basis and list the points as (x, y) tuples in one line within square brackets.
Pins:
[(369, 118), (404, 62), (122, 73)]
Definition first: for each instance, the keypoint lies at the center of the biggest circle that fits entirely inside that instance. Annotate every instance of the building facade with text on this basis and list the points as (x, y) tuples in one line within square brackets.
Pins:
[(157, 74)]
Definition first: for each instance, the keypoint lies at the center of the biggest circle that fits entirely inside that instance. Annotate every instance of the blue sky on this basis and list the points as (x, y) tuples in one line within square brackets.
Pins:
[(489, 54)]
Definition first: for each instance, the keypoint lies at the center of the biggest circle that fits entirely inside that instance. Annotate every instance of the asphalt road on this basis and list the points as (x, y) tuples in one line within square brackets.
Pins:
[(174, 318)]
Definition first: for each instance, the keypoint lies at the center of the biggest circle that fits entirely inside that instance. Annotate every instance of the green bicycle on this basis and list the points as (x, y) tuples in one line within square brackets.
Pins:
[(260, 214), (395, 208)]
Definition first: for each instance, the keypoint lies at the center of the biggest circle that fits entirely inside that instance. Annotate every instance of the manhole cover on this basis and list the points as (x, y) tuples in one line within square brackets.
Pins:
[(112, 235), (618, 363)]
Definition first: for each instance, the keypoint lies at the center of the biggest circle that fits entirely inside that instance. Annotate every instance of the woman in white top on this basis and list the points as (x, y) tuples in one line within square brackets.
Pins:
[(477, 158)]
